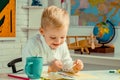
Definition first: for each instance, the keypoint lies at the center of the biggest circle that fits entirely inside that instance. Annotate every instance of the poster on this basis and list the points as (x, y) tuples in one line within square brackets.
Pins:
[(7, 18), (92, 11)]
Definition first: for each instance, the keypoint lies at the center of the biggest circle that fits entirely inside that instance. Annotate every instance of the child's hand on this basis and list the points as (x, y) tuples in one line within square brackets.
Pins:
[(55, 66), (78, 65)]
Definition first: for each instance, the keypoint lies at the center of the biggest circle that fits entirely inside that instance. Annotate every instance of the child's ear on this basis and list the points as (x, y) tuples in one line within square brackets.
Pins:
[(41, 30)]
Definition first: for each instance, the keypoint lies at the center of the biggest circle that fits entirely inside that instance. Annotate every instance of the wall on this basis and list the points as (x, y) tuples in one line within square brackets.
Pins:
[(10, 49)]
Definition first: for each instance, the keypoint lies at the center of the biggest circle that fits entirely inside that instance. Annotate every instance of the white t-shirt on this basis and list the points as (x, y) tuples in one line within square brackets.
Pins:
[(36, 46)]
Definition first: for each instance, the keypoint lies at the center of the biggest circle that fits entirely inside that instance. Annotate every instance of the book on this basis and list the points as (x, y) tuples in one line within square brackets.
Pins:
[(19, 76)]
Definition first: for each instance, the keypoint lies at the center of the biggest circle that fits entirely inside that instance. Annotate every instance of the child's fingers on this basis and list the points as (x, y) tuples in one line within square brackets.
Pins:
[(78, 64), (75, 69), (59, 64), (77, 61)]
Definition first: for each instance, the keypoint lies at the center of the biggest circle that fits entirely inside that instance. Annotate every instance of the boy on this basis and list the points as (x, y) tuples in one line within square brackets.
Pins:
[(50, 43)]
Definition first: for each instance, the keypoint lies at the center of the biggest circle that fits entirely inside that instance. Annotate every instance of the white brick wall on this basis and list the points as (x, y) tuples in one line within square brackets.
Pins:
[(10, 49)]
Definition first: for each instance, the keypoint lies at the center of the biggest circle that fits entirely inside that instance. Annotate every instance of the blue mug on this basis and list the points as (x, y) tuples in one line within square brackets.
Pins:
[(33, 67)]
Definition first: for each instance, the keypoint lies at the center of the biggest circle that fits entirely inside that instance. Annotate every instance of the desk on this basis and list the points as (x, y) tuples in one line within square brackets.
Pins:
[(83, 75)]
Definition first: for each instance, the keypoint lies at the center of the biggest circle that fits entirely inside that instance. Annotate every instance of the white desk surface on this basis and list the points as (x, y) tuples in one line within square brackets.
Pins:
[(101, 75), (83, 75)]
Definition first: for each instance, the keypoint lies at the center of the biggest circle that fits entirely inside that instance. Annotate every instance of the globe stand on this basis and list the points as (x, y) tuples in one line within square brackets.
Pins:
[(103, 46), (103, 49)]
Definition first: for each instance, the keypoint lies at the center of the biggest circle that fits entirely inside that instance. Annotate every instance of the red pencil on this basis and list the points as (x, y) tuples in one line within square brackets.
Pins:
[(18, 77)]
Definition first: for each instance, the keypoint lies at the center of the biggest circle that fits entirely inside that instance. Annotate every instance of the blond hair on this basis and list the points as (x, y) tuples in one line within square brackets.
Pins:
[(55, 17)]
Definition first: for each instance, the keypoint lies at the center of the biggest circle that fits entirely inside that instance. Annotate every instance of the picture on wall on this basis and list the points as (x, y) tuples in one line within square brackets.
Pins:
[(91, 12), (7, 18)]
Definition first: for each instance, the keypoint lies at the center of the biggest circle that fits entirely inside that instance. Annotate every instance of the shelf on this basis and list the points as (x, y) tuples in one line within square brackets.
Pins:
[(32, 7), (28, 28)]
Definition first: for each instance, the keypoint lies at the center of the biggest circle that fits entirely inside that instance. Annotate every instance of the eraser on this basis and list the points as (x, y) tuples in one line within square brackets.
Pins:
[(111, 71)]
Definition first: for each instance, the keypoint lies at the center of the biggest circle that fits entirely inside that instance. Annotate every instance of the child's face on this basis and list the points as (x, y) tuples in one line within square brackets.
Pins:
[(54, 37)]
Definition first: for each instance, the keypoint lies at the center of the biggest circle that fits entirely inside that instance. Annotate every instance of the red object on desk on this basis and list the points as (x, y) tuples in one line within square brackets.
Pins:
[(18, 77)]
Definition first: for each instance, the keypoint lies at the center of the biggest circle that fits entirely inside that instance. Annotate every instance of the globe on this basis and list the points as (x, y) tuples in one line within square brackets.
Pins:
[(104, 32)]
